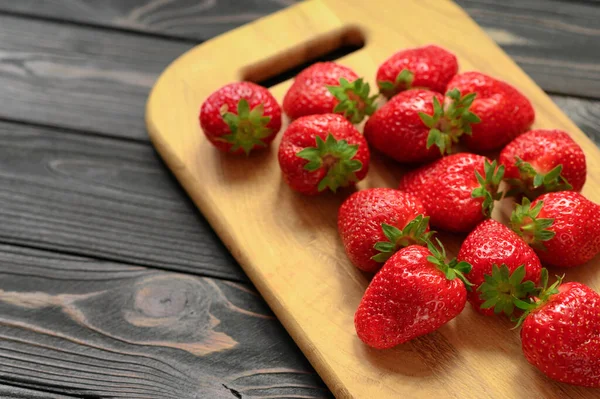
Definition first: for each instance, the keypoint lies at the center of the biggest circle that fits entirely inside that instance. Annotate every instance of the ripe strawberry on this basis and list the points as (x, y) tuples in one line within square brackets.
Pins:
[(562, 227), (240, 117), (504, 111), (458, 191), (561, 332), (377, 222), (497, 256), (322, 151), (542, 161), (415, 293), (410, 124), (429, 67), (327, 87)]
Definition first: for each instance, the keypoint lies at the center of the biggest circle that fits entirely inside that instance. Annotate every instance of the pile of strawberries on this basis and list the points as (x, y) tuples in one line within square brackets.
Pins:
[(432, 110)]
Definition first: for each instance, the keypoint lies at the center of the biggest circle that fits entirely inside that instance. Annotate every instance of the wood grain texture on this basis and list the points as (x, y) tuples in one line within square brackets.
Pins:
[(294, 256), (17, 392), (102, 197), (94, 329)]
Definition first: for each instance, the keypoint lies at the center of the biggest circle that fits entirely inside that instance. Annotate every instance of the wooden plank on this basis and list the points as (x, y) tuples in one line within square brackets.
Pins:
[(95, 329), (17, 392), (585, 113), (102, 197), (557, 42), (293, 255)]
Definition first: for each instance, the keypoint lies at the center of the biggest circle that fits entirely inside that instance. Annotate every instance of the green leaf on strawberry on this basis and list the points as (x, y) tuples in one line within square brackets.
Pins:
[(488, 186), (354, 100), (538, 297), (403, 81), (415, 232), (503, 291), (248, 127), (532, 183), (525, 222), (452, 269)]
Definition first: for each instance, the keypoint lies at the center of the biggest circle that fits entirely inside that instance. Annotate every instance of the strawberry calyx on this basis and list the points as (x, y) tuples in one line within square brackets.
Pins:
[(453, 269), (450, 122), (337, 157), (402, 82), (414, 233), (532, 229), (533, 183), (502, 289), (354, 100), (488, 186), (539, 297), (248, 127)]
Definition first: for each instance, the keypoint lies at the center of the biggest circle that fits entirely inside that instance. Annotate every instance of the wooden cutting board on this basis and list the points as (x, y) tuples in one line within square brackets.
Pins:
[(288, 244)]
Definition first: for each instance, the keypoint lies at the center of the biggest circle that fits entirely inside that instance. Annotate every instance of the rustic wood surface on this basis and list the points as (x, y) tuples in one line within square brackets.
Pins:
[(73, 70)]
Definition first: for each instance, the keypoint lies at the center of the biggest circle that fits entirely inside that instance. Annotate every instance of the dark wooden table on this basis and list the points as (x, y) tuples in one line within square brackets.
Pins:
[(112, 284)]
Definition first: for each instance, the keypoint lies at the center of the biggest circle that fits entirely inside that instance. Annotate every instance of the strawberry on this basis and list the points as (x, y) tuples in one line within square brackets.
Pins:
[(375, 223), (322, 151), (327, 87), (561, 332), (416, 292), (504, 111), (562, 227), (458, 191), (497, 255), (412, 122), (429, 67), (240, 117), (542, 161)]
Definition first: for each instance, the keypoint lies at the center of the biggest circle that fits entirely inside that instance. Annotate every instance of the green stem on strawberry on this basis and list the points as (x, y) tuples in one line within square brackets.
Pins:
[(354, 100), (525, 222), (538, 298), (532, 183), (337, 157), (488, 186), (415, 232), (452, 269), (402, 82), (450, 122), (248, 128), (502, 290)]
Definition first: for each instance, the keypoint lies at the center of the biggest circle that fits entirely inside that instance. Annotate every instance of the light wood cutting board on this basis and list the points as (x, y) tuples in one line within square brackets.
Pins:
[(288, 244)]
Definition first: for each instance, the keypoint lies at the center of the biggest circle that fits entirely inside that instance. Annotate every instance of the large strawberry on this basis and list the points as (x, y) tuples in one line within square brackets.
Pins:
[(562, 227), (327, 87), (429, 67), (542, 161), (458, 191), (375, 223), (561, 332), (240, 117), (504, 111), (496, 255), (418, 125), (416, 292), (321, 152)]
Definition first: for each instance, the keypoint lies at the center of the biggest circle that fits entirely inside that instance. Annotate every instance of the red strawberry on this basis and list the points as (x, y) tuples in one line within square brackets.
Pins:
[(504, 111), (240, 117), (563, 227), (416, 292), (498, 255), (410, 124), (542, 161), (322, 151), (561, 333), (327, 87), (375, 223), (429, 67), (458, 191)]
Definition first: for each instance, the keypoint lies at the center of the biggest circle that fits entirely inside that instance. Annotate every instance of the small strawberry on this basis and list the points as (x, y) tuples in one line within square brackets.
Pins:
[(542, 161), (322, 151), (498, 255), (562, 227), (561, 332), (416, 292), (458, 191), (414, 122), (428, 67), (240, 117), (377, 222), (327, 87), (504, 111)]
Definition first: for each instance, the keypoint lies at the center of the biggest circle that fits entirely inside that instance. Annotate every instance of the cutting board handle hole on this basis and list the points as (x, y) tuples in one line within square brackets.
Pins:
[(287, 64)]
